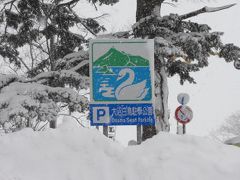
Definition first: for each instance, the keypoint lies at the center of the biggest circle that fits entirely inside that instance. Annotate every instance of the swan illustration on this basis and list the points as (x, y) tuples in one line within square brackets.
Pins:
[(129, 91)]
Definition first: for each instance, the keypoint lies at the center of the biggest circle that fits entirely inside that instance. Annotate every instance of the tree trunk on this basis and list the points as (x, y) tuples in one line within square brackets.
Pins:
[(53, 124), (147, 8), (28, 124), (52, 54), (162, 113)]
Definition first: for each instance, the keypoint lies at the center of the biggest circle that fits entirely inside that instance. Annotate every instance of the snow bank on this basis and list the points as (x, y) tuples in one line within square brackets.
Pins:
[(74, 153)]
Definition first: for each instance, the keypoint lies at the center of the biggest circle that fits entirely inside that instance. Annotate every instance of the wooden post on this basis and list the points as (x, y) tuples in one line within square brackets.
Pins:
[(184, 129)]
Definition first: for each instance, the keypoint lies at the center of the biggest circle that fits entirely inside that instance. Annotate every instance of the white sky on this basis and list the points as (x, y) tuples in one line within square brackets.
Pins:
[(217, 93)]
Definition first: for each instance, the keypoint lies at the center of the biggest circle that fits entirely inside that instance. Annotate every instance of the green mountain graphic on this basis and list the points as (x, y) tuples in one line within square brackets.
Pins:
[(113, 57)]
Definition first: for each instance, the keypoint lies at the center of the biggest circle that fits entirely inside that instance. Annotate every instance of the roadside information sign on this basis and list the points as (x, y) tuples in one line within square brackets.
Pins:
[(183, 114), (122, 86)]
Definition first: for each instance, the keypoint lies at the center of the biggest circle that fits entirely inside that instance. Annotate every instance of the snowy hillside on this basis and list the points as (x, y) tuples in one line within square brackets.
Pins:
[(73, 153)]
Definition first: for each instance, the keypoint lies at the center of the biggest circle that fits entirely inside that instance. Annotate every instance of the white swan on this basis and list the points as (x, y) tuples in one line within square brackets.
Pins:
[(129, 91)]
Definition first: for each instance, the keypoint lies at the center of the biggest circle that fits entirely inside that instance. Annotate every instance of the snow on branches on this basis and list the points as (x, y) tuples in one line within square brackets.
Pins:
[(185, 46), (230, 52), (24, 102), (107, 2), (27, 102), (55, 65)]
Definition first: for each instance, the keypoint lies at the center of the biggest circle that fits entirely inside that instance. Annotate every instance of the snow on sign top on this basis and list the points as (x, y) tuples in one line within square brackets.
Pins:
[(121, 70)]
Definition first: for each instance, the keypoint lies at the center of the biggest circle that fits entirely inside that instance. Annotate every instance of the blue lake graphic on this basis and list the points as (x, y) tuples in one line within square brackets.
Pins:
[(122, 84)]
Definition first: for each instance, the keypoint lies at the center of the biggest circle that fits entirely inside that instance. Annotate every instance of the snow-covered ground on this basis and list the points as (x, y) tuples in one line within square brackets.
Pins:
[(74, 153)]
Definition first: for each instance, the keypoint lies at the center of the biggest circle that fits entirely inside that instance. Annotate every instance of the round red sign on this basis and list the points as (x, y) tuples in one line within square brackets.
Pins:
[(183, 114)]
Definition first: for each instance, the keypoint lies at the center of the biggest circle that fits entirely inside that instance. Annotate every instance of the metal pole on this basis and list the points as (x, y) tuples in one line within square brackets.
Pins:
[(178, 128), (105, 131), (139, 134), (184, 129)]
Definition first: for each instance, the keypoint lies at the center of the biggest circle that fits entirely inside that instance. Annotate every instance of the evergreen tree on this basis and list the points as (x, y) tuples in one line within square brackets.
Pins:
[(57, 64), (181, 47), (229, 129)]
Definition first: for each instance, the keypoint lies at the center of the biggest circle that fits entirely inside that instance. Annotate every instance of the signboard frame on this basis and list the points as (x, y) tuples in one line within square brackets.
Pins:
[(124, 46)]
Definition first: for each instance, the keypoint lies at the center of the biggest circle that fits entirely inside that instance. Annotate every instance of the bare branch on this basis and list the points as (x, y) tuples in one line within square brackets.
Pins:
[(7, 3), (103, 15), (81, 21), (8, 65), (31, 54), (95, 6), (205, 10), (36, 125), (39, 46), (10, 8), (48, 48), (68, 3), (25, 65), (43, 126), (171, 4)]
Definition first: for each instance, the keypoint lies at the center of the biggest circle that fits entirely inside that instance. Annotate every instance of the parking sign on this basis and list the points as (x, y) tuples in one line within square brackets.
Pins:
[(122, 90)]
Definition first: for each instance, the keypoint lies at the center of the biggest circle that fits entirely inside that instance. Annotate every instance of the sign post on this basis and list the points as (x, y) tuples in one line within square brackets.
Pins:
[(139, 134), (183, 113), (122, 85)]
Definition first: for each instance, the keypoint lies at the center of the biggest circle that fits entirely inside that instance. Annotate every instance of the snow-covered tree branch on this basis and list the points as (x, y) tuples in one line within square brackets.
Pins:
[(205, 10), (181, 47), (229, 129), (56, 64)]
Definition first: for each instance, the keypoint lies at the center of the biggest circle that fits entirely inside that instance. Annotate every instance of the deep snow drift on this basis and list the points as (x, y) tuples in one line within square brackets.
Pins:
[(74, 153)]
